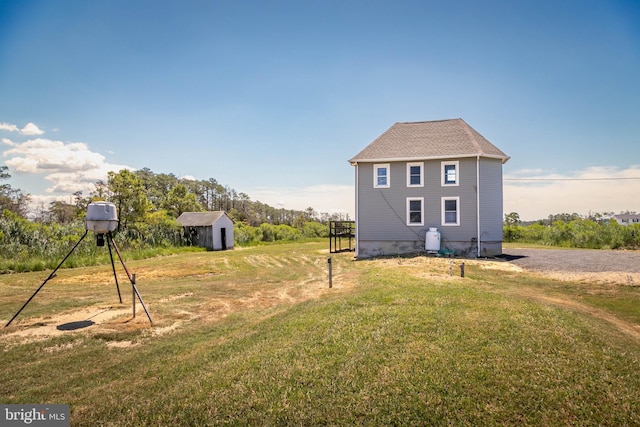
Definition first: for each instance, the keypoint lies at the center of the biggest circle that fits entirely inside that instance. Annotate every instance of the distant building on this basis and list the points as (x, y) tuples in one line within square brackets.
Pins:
[(421, 175), (211, 230), (627, 219)]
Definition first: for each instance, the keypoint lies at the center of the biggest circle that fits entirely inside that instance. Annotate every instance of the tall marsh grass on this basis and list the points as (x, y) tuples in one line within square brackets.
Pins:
[(32, 246)]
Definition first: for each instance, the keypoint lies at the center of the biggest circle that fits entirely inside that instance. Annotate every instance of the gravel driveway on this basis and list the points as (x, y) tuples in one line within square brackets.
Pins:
[(575, 260)]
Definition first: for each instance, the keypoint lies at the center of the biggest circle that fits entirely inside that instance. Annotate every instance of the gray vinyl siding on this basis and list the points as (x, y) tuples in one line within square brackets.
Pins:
[(491, 208), (461, 236), (382, 211)]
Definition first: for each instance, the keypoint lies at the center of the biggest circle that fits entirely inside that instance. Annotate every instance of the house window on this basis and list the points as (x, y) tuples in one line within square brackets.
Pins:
[(381, 176), (415, 174), (450, 211), (415, 211), (450, 173)]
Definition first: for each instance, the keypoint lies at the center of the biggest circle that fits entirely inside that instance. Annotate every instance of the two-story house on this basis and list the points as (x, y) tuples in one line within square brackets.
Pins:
[(418, 176), (627, 219)]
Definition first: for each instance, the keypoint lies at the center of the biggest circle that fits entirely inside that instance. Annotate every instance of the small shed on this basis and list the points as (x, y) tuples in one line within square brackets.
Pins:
[(212, 230)]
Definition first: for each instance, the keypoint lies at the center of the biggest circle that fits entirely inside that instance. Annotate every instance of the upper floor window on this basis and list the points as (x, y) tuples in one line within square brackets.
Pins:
[(415, 174), (415, 210), (450, 173), (381, 176), (451, 211)]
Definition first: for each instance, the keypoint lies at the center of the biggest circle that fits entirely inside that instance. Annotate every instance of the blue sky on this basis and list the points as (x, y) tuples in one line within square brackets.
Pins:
[(273, 97)]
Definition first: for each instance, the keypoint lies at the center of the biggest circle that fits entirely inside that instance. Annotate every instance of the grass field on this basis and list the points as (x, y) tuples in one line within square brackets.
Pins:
[(256, 337)]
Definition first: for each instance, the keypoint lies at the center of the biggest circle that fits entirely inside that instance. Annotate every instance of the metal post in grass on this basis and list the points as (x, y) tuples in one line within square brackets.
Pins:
[(132, 279), (133, 292), (330, 272), (462, 270)]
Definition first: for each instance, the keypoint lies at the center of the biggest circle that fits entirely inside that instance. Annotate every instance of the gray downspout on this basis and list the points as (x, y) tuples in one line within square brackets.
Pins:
[(478, 202), (357, 218)]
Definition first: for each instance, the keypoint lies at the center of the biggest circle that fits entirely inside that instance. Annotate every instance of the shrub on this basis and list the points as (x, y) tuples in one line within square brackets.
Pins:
[(578, 233)]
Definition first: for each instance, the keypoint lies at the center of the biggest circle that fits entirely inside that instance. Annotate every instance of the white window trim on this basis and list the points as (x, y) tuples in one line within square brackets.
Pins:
[(375, 175), (413, 199), (443, 175), (421, 165), (443, 217)]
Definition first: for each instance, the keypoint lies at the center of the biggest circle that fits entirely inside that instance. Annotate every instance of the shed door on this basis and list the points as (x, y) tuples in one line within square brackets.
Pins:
[(223, 238)]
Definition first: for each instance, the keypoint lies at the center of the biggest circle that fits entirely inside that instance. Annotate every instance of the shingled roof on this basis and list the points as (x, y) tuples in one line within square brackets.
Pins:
[(199, 219), (439, 139)]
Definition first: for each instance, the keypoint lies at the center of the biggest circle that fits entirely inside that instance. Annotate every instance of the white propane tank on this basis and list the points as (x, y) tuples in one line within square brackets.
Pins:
[(101, 217), (432, 240)]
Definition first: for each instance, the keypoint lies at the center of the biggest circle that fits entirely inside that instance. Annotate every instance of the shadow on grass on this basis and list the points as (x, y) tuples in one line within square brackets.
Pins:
[(72, 326)]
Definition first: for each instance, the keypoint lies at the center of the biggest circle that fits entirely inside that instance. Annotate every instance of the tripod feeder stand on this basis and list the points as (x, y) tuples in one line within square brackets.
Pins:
[(102, 220)]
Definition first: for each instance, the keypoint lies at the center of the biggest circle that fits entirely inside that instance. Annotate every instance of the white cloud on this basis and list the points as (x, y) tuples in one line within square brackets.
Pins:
[(29, 129), (41, 155), (9, 127), (41, 202), (594, 189), (69, 167)]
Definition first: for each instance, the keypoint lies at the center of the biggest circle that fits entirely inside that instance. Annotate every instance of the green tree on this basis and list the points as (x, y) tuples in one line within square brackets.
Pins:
[(61, 212), (128, 194), (512, 219), (12, 199), (180, 200), (101, 191)]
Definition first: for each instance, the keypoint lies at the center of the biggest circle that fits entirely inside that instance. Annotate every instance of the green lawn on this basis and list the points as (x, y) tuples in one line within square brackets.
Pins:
[(256, 337)]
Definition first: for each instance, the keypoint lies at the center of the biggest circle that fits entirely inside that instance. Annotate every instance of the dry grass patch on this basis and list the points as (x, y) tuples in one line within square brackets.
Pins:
[(203, 287)]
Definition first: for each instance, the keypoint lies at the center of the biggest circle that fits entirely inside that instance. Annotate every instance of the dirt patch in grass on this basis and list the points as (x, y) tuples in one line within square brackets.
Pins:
[(603, 277), (179, 309), (215, 309), (624, 326), (85, 320), (444, 268)]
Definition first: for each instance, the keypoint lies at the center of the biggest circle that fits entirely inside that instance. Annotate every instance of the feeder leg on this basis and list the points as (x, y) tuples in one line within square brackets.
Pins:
[(51, 276), (113, 266)]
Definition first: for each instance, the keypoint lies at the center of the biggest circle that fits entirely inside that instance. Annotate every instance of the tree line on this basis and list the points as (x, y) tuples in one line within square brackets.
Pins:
[(143, 192), (147, 205), (595, 231)]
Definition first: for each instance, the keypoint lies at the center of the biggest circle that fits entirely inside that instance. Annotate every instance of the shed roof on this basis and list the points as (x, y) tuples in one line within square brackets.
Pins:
[(199, 219), (437, 139)]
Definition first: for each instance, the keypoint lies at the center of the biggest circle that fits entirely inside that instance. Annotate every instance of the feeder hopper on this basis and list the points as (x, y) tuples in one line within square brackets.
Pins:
[(101, 217)]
